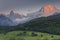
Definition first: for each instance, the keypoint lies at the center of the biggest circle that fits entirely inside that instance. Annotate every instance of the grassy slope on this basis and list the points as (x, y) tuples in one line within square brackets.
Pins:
[(13, 35)]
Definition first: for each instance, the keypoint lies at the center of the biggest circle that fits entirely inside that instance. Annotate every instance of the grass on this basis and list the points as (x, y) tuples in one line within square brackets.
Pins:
[(13, 36)]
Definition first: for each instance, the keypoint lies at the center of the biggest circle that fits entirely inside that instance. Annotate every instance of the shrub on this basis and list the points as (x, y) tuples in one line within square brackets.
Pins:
[(33, 34), (52, 36), (22, 34), (41, 35)]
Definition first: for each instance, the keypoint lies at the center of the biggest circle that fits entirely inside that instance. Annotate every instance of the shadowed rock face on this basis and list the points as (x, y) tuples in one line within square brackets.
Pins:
[(48, 10), (4, 21)]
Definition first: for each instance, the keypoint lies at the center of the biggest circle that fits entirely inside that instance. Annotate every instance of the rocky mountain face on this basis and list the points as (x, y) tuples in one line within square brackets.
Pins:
[(48, 10), (11, 19), (45, 11), (5, 21), (16, 18)]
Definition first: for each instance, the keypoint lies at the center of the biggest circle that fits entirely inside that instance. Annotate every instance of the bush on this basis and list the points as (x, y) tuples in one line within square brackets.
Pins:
[(33, 34), (41, 35), (22, 34), (52, 36)]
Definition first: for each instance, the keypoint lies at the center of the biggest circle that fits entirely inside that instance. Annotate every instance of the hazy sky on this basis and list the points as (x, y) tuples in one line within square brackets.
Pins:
[(26, 5)]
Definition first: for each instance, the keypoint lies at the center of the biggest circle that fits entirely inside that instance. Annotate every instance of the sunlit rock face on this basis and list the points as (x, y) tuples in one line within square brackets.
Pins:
[(48, 10)]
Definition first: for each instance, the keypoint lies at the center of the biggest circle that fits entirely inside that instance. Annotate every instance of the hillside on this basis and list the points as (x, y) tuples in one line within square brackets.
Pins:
[(49, 24)]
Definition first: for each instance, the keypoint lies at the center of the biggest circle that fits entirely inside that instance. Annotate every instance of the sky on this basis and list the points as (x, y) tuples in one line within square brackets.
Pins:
[(25, 6)]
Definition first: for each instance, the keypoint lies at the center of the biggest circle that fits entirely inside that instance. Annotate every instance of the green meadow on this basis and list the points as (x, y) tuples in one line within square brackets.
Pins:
[(28, 35)]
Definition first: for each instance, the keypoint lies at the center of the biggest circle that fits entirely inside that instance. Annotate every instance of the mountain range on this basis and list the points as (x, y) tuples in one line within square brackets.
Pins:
[(47, 20), (16, 18)]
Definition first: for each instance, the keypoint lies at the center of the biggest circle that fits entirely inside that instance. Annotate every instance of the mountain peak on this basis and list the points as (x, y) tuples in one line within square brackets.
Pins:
[(12, 12), (48, 10)]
